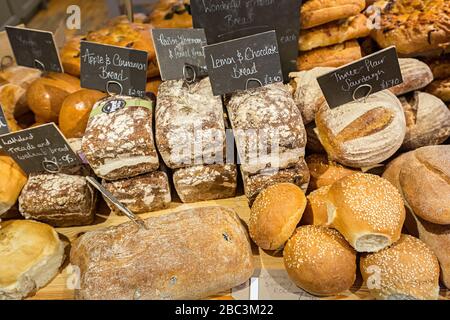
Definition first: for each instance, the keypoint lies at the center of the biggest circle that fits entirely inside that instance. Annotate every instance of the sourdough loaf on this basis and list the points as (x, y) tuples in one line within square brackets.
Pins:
[(416, 75), (190, 254)]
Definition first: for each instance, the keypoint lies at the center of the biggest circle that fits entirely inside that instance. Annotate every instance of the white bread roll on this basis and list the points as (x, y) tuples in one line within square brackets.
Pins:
[(362, 133), (406, 270), (30, 256), (12, 181), (320, 261), (367, 210), (275, 214)]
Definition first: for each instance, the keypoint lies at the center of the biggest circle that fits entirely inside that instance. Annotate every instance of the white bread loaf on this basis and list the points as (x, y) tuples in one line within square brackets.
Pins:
[(362, 133), (31, 254)]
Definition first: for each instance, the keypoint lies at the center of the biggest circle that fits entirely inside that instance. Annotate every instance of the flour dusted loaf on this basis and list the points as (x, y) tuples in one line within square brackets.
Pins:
[(205, 182), (416, 75), (362, 133), (31, 254), (190, 254), (190, 127), (141, 194), (60, 200), (268, 128), (120, 144)]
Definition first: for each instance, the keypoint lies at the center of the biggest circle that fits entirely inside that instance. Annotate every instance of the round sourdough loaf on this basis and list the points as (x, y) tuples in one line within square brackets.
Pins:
[(407, 270), (275, 214), (30, 256), (320, 261), (416, 75), (362, 133), (367, 210)]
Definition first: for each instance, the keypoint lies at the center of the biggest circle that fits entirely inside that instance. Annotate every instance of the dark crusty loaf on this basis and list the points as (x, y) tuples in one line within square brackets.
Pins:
[(120, 145), (189, 124), (190, 254), (297, 174), (141, 194), (59, 200), (203, 183), (268, 128)]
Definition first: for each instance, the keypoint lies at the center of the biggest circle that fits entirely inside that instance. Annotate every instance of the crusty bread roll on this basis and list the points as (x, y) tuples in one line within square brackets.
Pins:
[(75, 111), (316, 212), (307, 93), (325, 172), (367, 210), (362, 133), (275, 214), (46, 95), (30, 256), (12, 180), (320, 261), (427, 120), (416, 75), (317, 12), (332, 56), (406, 270)]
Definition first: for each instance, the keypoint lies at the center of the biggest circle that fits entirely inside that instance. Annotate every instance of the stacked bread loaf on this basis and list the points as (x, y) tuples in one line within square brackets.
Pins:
[(270, 138), (329, 30), (191, 138)]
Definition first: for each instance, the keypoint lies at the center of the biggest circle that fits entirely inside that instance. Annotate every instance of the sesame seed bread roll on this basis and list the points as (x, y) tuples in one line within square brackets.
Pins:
[(316, 209), (362, 133), (320, 261), (275, 214), (367, 210), (407, 270)]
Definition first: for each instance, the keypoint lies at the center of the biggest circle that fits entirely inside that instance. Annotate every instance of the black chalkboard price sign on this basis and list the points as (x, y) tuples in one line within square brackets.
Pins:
[(356, 80), (113, 69), (230, 19), (39, 149), (244, 63), (178, 48), (3, 124), (34, 49)]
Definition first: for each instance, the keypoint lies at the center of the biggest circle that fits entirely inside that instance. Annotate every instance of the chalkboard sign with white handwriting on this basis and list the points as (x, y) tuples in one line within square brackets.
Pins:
[(113, 69), (3, 124), (34, 49), (176, 48), (244, 63), (230, 19), (39, 149), (373, 73)]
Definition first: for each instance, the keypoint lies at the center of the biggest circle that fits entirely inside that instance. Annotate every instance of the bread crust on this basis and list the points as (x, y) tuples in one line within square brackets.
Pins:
[(440, 88), (11, 184), (171, 14), (416, 75)]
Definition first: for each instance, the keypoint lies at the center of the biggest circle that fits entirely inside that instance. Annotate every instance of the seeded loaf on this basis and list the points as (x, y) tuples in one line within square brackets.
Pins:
[(268, 128), (205, 182), (190, 128), (190, 254), (120, 144), (59, 200), (141, 194)]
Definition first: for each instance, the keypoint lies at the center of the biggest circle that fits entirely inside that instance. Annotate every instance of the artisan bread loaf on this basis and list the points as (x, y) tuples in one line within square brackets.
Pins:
[(325, 172), (190, 127), (307, 93), (427, 120), (190, 254), (406, 270), (31, 254), (416, 75), (141, 194), (440, 88), (171, 14), (367, 210), (11, 183), (254, 184), (75, 111), (119, 144), (275, 215), (320, 261), (205, 182), (60, 200), (268, 128), (317, 12), (440, 66), (46, 95), (362, 133)]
